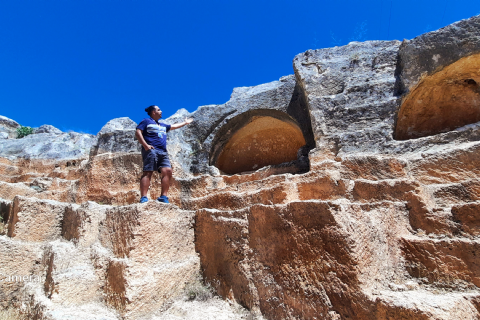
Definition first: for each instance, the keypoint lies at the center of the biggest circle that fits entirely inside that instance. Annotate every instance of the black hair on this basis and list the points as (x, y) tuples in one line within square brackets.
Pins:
[(150, 109)]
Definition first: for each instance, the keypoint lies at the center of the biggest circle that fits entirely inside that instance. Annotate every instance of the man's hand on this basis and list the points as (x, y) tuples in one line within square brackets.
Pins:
[(181, 124), (139, 136)]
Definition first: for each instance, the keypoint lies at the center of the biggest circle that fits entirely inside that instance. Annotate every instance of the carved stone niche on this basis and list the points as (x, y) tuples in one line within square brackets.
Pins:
[(446, 100), (264, 139)]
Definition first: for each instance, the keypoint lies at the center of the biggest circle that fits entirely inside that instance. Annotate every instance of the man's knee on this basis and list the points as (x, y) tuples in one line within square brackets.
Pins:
[(166, 171), (147, 174)]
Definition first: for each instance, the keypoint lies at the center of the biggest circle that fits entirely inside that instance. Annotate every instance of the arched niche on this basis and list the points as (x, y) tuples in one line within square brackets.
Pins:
[(446, 100), (255, 140)]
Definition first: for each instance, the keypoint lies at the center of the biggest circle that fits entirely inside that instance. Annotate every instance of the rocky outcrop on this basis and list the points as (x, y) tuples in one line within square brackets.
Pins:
[(355, 213), (46, 128), (70, 145), (431, 52), (8, 127), (438, 73), (118, 135)]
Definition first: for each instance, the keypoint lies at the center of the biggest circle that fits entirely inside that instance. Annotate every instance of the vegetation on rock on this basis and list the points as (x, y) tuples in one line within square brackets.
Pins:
[(24, 131), (197, 290)]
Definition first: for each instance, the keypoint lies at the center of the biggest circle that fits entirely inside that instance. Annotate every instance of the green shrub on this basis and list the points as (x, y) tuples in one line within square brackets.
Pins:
[(24, 131), (197, 290)]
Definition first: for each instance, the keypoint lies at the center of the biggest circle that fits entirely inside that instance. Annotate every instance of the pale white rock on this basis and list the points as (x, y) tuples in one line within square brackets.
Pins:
[(46, 128)]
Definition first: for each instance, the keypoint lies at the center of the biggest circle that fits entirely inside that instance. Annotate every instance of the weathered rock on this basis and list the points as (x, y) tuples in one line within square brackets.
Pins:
[(135, 259), (118, 135), (46, 128), (182, 143), (256, 254), (113, 179), (350, 95), (428, 109), (49, 146), (154, 256), (35, 221), (432, 51), (113, 125), (468, 218), (199, 145), (9, 127)]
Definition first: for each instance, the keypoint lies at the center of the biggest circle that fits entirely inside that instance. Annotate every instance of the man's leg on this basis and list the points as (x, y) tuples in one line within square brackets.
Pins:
[(166, 178), (145, 182)]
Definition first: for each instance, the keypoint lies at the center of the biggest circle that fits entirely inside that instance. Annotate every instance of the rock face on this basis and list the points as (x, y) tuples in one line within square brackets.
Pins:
[(46, 128), (118, 135), (70, 145), (345, 191), (9, 127)]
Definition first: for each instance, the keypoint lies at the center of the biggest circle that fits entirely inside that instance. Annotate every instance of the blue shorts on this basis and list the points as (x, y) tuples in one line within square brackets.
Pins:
[(154, 160)]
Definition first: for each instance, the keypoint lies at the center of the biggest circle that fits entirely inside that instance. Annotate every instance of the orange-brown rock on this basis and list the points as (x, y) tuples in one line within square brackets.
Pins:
[(443, 101), (264, 141)]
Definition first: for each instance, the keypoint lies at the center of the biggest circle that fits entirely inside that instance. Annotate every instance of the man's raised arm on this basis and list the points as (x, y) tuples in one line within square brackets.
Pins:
[(181, 124)]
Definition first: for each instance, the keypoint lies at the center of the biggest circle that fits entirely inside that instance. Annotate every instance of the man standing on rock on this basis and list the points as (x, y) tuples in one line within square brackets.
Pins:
[(152, 135)]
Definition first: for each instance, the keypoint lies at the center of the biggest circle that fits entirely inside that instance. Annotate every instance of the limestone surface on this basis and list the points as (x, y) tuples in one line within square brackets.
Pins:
[(118, 135), (348, 190), (46, 128), (8, 127), (69, 145)]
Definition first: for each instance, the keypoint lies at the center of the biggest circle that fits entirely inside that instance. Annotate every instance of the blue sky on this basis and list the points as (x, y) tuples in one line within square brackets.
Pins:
[(78, 64)]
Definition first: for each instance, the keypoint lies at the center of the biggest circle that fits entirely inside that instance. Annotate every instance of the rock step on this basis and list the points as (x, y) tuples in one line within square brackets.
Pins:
[(205, 185), (318, 186), (449, 263), (466, 215), (69, 275), (36, 220), (131, 258), (9, 191), (241, 183), (422, 304), (448, 219), (9, 178), (9, 169), (434, 208), (383, 190), (373, 167), (273, 190), (24, 177), (154, 256), (449, 194), (456, 163), (237, 200), (425, 217)]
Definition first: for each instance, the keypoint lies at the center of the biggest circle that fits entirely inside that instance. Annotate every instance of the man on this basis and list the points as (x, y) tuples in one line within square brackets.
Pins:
[(152, 135)]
